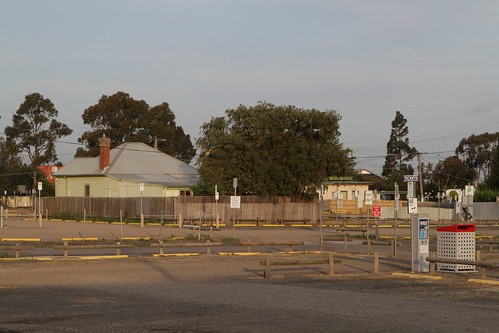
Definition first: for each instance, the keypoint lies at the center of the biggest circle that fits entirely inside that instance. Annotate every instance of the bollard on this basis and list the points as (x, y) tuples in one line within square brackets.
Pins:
[(118, 248), (331, 264), (208, 248), (368, 246), (18, 250), (392, 247), (478, 256), (376, 264), (161, 249)]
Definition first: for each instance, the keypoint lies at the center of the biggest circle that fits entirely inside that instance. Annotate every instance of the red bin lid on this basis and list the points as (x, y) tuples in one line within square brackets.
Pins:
[(458, 228)]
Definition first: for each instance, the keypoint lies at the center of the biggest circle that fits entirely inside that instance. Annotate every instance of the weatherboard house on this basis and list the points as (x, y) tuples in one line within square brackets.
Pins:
[(132, 169)]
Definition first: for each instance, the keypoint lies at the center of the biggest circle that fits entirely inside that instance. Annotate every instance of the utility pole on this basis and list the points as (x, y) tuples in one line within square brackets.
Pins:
[(420, 170)]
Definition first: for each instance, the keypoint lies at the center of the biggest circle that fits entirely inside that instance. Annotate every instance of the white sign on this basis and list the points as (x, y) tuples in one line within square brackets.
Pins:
[(369, 197), (217, 196), (40, 184), (141, 187), (469, 190), (235, 201), (412, 205), (411, 178), (410, 190)]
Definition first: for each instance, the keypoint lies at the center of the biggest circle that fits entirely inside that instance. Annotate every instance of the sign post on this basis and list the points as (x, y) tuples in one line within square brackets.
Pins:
[(217, 197), (235, 203), (369, 201), (141, 188), (40, 186)]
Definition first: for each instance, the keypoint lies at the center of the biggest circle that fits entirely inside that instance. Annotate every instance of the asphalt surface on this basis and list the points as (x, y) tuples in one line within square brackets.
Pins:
[(213, 293)]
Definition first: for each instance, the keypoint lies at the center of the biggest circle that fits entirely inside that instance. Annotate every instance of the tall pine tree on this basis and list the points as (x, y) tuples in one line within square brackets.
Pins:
[(398, 151)]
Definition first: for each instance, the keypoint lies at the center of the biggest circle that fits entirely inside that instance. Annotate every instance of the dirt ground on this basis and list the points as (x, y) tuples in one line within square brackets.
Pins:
[(212, 293)]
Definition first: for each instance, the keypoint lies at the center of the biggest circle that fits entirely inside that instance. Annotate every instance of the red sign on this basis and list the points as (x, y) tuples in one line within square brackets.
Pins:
[(376, 211)]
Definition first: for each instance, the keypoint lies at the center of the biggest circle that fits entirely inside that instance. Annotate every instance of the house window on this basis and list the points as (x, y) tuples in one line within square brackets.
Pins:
[(87, 190)]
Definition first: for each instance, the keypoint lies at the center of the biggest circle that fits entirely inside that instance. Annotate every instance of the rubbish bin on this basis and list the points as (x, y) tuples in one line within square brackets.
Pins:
[(456, 242)]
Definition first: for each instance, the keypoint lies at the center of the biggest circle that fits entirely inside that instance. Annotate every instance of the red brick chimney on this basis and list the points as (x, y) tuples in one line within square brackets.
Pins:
[(105, 146)]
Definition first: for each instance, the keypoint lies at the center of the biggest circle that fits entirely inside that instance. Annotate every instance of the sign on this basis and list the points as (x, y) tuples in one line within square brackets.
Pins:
[(40, 184), (412, 205), (376, 211), (235, 201), (369, 197), (410, 189), (411, 178), (469, 190), (141, 186)]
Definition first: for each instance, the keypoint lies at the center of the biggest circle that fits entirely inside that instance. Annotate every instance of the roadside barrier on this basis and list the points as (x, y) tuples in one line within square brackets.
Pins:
[(482, 265), (304, 261)]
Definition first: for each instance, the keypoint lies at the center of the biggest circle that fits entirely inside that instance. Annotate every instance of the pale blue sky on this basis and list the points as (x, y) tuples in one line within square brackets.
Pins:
[(435, 61)]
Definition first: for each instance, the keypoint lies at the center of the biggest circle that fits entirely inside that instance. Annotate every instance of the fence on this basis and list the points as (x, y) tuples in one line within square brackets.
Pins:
[(253, 209), (193, 208)]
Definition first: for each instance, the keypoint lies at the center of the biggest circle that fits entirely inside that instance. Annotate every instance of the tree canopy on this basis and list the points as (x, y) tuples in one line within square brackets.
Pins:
[(452, 173), (124, 119), (476, 151), (35, 130), (272, 150), (493, 180), (398, 151)]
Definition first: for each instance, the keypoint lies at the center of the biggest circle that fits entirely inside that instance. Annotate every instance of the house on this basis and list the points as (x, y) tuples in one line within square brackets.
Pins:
[(368, 176), (345, 189), (132, 169)]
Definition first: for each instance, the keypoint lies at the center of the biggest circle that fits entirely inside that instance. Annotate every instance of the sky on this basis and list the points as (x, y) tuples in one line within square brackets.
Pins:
[(437, 62)]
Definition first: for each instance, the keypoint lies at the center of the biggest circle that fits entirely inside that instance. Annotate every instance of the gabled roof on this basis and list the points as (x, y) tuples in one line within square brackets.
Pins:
[(138, 162)]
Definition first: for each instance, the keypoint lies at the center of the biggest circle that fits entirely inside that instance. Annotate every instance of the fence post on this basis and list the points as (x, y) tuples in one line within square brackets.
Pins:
[(392, 247), (376, 264), (18, 250), (432, 268), (483, 272), (267, 273), (331, 264), (65, 247), (161, 248), (180, 221), (369, 246)]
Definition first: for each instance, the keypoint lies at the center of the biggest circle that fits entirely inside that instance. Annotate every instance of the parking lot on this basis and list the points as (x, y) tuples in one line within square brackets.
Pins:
[(228, 293)]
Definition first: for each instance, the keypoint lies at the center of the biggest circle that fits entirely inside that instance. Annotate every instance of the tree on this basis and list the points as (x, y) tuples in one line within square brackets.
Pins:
[(476, 151), (452, 173), (35, 130), (398, 151), (273, 150), (493, 180), (124, 119)]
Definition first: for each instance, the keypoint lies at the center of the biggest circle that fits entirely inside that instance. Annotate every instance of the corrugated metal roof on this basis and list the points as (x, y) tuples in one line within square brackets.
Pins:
[(135, 161)]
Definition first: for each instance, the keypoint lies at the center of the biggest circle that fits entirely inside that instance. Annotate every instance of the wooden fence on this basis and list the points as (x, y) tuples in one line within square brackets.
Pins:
[(276, 210)]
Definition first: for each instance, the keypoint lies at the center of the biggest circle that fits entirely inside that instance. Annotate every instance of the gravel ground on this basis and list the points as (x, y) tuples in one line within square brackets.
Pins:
[(229, 294)]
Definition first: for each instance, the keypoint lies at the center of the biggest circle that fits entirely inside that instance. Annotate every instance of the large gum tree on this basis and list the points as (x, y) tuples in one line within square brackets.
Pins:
[(35, 130)]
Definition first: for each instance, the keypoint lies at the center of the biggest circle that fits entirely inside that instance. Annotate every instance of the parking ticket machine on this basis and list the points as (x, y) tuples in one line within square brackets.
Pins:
[(420, 242)]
